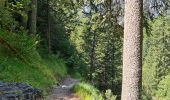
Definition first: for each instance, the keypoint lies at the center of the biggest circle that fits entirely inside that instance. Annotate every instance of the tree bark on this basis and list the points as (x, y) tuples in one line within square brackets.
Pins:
[(132, 50), (2, 4), (92, 56), (33, 21), (48, 28)]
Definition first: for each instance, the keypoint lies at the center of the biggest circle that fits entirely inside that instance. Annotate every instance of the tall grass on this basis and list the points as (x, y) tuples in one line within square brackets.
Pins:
[(87, 92), (56, 65), (24, 64)]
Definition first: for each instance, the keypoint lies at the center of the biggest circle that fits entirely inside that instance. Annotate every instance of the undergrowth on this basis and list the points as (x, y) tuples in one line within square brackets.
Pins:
[(87, 92), (20, 62)]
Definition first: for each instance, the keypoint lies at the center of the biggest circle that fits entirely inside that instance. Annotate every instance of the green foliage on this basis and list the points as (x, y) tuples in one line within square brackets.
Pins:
[(61, 19), (163, 93), (24, 45), (56, 65), (38, 72), (2, 4), (7, 22), (89, 44), (14, 70), (109, 95), (87, 92), (156, 60), (98, 42), (44, 76), (72, 38)]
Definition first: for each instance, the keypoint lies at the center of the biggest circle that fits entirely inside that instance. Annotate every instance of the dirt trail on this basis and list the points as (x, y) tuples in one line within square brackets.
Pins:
[(63, 92)]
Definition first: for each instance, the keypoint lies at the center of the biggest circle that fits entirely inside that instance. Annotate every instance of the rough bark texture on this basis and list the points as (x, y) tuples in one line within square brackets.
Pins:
[(33, 20), (132, 66), (48, 27)]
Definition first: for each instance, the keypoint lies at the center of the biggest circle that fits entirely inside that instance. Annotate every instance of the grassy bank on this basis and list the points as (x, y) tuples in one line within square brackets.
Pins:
[(46, 73), (87, 92), (21, 62)]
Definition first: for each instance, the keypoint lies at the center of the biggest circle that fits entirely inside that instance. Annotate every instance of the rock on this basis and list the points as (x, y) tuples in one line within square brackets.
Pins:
[(19, 91)]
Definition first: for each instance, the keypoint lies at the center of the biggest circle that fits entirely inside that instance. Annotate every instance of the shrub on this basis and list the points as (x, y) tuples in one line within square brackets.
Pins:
[(109, 95)]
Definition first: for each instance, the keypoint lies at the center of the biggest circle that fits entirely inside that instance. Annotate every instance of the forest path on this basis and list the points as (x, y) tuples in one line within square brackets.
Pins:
[(63, 92)]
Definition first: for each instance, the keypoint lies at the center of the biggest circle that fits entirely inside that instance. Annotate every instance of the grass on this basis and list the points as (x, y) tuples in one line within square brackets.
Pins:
[(56, 65), (87, 92), (32, 68), (42, 76)]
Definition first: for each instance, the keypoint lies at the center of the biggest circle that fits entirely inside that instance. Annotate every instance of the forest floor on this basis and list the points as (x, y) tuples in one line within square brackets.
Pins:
[(63, 91)]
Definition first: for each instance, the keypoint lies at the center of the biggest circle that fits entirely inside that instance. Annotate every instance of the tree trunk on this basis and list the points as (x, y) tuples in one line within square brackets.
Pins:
[(48, 28), (33, 21), (93, 56), (132, 50), (2, 4)]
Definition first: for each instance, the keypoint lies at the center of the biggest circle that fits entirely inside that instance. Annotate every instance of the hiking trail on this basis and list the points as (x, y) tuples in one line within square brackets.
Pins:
[(63, 91)]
